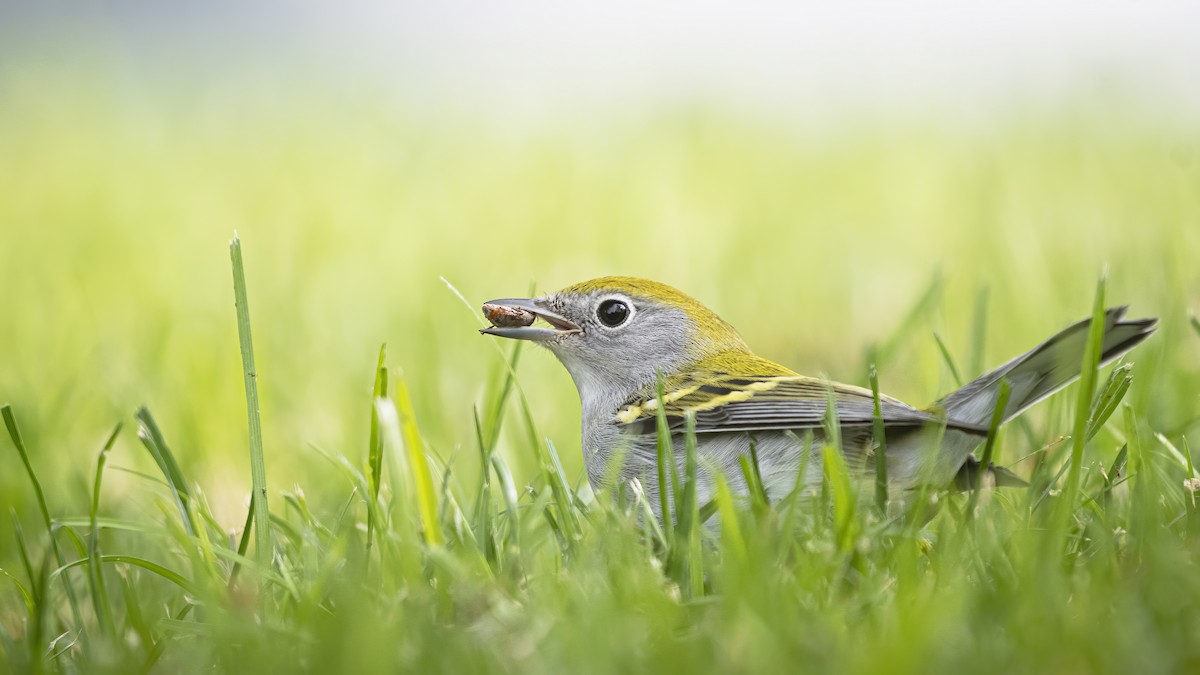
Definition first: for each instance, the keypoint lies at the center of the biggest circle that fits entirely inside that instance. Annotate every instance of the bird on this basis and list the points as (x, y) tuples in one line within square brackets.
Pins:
[(623, 340)]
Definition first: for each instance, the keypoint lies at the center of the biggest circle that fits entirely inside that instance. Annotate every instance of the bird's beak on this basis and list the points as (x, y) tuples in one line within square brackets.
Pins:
[(512, 318)]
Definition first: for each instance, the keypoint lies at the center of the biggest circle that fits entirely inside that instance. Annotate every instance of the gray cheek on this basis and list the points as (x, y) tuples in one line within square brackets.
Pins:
[(623, 361), (656, 341)]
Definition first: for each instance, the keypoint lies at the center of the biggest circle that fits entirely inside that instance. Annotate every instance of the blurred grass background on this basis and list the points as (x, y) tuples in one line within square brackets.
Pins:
[(815, 236), (816, 245)]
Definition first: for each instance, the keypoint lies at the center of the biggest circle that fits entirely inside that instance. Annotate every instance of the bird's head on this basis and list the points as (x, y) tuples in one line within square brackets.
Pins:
[(615, 334)]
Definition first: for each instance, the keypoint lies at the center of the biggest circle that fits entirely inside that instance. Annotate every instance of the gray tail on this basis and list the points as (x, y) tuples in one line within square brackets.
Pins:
[(1044, 370)]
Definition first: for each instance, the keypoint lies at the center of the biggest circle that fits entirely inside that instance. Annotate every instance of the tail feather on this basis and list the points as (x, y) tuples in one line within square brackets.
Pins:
[(1044, 370)]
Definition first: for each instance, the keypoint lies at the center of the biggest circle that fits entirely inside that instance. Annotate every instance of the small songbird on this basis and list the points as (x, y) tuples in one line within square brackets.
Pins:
[(619, 336)]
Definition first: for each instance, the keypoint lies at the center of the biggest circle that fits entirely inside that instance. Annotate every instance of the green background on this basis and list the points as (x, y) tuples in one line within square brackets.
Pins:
[(818, 236)]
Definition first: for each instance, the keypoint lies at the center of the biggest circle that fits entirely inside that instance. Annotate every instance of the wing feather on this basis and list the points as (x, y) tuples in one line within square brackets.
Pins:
[(795, 402)]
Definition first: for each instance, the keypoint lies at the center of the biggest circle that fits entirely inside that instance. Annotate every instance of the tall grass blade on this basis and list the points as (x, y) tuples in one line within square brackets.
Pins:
[(837, 477), (375, 447), (562, 492), (483, 495), (1140, 493), (1087, 388), (508, 490), (989, 447), (14, 434), (419, 467), (754, 479), (665, 459), (731, 531), (264, 549), (687, 559), (881, 468), (95, 572), (495, 416), (754, 486)]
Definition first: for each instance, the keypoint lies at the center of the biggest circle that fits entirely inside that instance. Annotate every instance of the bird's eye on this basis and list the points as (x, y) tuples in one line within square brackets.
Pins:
[(612, 313)]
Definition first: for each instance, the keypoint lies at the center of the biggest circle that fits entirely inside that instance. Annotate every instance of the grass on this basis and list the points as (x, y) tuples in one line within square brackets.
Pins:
[(421, 514), (258, 469)]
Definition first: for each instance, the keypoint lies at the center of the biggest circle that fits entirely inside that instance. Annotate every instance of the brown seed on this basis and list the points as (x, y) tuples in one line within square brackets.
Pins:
[(507, 317)]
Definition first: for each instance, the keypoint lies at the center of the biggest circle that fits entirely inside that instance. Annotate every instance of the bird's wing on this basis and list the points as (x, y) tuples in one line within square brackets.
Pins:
[(725, 403)]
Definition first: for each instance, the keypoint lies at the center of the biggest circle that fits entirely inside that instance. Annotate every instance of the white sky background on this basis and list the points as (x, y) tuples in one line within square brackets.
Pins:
[(526, 58)]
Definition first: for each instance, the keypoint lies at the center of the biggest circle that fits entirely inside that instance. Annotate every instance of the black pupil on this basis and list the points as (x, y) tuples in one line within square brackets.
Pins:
[(613, 313)]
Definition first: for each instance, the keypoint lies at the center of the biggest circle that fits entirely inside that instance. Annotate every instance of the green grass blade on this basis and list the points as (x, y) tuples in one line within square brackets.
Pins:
[(844, 500), (837, 477), (978, 333), (23, 554), (419, 467), (1083, 405), (877, 428), (562, 491), (375, 449), (135, 619), (243, 542), (732, 540), (1106, 403), (754, 479), (42, 612), (375, 443), (1110, 397), (924, 305), (830, 423), (1141, 495), (989, 447), (14, 434), (258, 469), (1184, 460), (947, 359), (152, 438), (1113, 476), (794, 498), (95, 572), (664, 450), (148, 565), (498, 402), (686, 504), (686, 560), (104, 523), (25, 594), (481, 522), (495, 416), (508, 490), (73, 537), (754, 486)]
